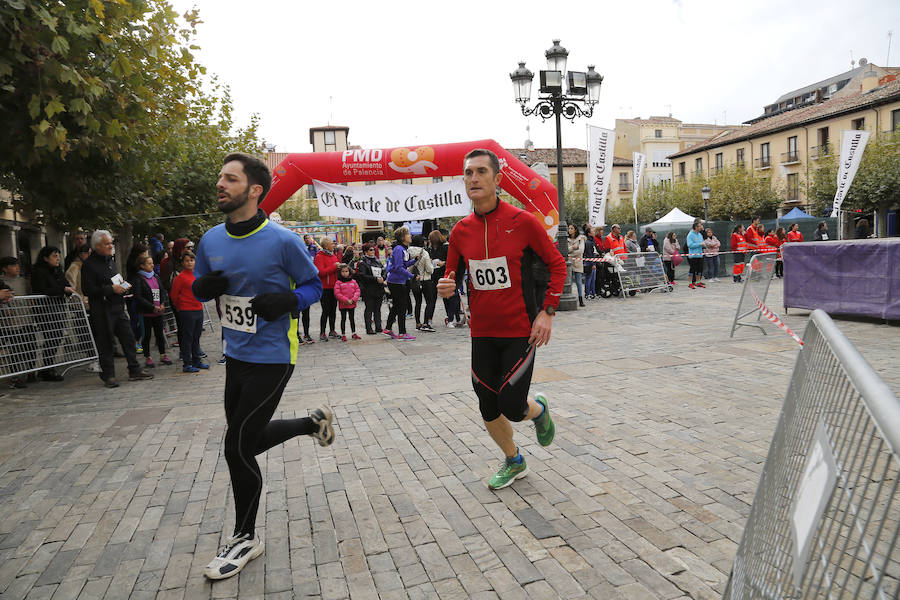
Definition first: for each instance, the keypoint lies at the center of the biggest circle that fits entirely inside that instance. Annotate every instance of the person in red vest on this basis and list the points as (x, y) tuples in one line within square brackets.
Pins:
[(615, 242), (794, 234), (752, 238), (738, 245), (600, 241)]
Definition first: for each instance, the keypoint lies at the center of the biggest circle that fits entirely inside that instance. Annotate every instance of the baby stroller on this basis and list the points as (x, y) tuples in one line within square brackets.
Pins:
[(607, 278)]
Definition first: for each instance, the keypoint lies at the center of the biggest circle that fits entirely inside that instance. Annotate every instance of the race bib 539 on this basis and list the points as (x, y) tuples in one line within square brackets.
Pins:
[(238, 314), (489, 274)]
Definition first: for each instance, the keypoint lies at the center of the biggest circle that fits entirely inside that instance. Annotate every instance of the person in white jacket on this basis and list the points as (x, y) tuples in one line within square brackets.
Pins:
[(422, 286)]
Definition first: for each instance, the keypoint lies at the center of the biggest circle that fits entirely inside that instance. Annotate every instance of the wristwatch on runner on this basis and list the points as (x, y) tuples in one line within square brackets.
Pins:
[(550, 310)]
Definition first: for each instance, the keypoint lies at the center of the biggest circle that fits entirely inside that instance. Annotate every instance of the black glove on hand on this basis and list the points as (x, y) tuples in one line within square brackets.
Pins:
[(272, 306), (212, 285)]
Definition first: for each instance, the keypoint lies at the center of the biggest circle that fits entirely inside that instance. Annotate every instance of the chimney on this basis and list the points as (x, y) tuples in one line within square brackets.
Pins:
[(869, 79)]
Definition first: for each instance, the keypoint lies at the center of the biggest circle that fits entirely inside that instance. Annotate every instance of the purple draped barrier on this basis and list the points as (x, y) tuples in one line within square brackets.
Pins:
[(852, 277)]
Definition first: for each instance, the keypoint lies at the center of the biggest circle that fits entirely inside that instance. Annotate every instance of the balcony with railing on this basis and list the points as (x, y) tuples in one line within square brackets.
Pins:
[(624, 187), (817, 152), (790, 158), (764, 162)]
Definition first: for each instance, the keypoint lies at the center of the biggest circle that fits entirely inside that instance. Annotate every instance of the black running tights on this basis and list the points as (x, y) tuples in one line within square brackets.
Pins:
[(252, 393)]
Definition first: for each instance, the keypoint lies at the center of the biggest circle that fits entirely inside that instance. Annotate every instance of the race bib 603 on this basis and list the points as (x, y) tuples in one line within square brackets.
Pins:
[(489, 274)]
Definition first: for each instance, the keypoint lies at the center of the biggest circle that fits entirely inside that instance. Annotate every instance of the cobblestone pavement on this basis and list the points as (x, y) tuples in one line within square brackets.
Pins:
[(663, 423)]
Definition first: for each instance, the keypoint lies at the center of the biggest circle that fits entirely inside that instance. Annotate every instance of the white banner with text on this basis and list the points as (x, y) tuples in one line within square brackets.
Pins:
[(853, 143), (639, 161), (600, 150), (393, 201)]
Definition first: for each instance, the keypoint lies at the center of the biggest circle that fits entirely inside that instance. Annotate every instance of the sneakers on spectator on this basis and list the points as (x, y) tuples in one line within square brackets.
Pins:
[(308, 340), (333, 334), (189, 369), (427, 327), (701, 284), (509, 471), (389, 333), (94, 367), (234, 556), (111, 382), (321, 418), (149, 363), (202, 354), (343, 338), (222, 361), (692, 286), (139, 349), (355, 337), (406, 337), (323, 338), (140, 376), (201, 365), (164, 359)]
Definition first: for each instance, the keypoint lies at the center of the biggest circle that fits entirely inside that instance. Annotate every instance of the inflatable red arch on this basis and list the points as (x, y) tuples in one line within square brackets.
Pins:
[(438, 160)]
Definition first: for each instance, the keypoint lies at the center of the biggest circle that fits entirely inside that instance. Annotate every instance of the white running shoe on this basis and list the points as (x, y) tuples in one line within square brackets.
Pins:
[(234, 556), (321, 418)]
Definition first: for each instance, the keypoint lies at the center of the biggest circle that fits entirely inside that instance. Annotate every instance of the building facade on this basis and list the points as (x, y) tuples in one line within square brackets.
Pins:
[(657, 138), (787, 146)]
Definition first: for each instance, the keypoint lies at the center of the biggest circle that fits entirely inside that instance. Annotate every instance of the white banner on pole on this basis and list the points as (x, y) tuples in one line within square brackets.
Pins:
[(853, 143), (394, 201), (600, 153), (639, 161)]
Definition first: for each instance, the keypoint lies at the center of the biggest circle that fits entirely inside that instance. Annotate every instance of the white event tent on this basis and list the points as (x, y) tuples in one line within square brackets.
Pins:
[(674, 218)]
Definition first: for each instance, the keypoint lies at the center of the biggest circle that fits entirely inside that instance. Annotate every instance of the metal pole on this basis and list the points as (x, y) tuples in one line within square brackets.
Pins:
[(567, 301)]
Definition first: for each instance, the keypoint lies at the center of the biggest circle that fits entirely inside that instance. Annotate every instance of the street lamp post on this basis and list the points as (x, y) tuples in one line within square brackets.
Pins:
[(705, 193), (583, 89)]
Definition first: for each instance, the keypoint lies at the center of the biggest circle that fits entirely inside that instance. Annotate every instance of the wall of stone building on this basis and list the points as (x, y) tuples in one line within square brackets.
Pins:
[(781, 165)]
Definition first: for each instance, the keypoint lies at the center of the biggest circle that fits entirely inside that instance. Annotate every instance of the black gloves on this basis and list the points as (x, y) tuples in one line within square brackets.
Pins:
[(272, 306), (212, 285)]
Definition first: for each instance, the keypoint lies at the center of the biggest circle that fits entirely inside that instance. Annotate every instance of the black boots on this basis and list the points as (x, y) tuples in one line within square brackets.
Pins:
[(580, 301)]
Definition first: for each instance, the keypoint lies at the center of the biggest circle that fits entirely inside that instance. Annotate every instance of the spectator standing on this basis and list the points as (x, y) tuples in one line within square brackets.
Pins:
[(862, 229), (78, 240), (150, 301), (821, 234), (23, 334), (576, 259), (752, 238), (437, 249), (382, 250), (398, 275), (695, 255), (310, 246), (73, 273), (739, 247), (793, 234), (6, 296), (778, 240), (48, 279), (347, 292), (648, 241), (615, 243), (157, 247), (670, 247), (600, 241), (423, 269), (631, 243), (711, 247), (590, 266), (105, 288), (190, 324), (12, 276), (326, 262), (370, 275)]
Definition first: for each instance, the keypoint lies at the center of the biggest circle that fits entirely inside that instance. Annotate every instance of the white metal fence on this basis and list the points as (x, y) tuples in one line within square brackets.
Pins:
[(42, 332), (758, 276), (826, 515)]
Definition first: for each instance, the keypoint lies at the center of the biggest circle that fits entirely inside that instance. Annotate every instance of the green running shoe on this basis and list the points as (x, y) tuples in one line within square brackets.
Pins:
[(543, 425), (509, 472)]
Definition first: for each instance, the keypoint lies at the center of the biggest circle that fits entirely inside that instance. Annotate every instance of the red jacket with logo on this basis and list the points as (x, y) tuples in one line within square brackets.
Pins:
[(617, 246), (510, 233), (753, 239)]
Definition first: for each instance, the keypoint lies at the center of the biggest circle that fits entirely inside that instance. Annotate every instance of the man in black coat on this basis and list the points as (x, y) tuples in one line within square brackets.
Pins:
[(105, 288)]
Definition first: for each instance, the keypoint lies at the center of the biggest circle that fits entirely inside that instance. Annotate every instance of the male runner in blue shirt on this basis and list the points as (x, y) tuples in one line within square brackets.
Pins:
[(263, 276)]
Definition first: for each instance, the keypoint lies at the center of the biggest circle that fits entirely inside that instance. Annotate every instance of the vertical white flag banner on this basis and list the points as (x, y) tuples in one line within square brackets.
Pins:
[(853, 143), (600, 163), (639, 161)]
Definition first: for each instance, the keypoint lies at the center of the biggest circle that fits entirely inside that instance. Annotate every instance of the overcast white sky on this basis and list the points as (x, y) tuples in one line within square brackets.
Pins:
[(405, 73)]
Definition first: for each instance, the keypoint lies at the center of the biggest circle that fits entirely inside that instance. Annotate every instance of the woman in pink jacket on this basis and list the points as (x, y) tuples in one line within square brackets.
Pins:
[(346, 290)]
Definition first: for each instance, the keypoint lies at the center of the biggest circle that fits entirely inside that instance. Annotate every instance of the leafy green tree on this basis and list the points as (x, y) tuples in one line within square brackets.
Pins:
[(876, 186)]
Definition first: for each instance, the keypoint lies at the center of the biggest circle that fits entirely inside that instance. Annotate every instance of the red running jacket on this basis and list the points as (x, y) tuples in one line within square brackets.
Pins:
[(327, 266), (504, 306)]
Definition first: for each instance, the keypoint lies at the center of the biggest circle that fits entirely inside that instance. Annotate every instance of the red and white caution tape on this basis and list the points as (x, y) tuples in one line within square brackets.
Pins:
[(775, 319)]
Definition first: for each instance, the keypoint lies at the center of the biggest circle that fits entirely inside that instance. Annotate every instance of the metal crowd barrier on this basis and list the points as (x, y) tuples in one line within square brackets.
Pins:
[(758, 276), (826, 515), (42, 332), (170, 324), (642, 272)]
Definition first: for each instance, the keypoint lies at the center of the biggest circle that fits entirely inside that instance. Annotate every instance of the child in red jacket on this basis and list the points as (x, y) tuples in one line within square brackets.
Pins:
[(346, 290), (190, 312)]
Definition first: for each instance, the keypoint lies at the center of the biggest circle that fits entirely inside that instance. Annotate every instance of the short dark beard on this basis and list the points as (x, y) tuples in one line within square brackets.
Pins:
[(235, 203)]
